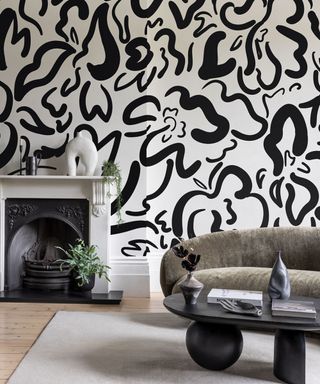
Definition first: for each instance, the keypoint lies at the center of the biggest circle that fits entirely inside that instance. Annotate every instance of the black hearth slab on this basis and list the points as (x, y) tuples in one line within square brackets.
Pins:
[(33, 296)]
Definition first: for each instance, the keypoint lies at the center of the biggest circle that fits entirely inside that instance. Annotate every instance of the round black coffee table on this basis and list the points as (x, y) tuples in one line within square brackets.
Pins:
[(214, 338)]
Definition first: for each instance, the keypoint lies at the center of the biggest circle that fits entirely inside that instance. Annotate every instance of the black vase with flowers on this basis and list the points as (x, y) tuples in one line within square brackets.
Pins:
[(190, 286)]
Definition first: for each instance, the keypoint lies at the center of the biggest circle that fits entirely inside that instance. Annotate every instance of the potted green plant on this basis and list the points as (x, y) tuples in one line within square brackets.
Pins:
[(112, 174), (84, 263)]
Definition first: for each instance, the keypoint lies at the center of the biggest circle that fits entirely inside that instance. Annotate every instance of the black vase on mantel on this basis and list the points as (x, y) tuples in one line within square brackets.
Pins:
[(191, 288), (279, 284)]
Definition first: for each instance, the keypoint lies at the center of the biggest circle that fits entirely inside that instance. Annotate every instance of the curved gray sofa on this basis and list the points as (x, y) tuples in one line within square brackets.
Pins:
[(242, 259)]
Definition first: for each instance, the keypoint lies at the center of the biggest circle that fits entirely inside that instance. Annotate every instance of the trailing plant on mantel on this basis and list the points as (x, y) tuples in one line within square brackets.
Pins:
[(112, 174)]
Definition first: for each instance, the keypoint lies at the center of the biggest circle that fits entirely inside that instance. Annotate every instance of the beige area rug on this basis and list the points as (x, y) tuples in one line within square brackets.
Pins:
[(103, 348)]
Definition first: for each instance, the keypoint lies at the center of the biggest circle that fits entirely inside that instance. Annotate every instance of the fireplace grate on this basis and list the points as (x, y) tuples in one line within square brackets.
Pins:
[(46, 277), (43, 268)]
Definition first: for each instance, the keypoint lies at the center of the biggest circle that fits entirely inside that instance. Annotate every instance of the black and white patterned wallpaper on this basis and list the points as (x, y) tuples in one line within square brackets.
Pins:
[(209, 107)]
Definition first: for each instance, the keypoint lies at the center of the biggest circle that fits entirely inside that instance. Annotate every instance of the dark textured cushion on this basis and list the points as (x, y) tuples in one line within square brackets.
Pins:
[(303, 283)]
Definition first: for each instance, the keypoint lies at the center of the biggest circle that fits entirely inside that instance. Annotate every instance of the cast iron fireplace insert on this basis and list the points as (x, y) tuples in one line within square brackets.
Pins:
[(33, 228)]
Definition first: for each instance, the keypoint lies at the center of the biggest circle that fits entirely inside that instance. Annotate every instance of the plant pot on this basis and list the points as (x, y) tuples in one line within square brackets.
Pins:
[(85, 287)]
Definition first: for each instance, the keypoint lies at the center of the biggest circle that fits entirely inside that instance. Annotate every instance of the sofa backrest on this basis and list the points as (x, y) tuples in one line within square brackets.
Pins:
[(300, 247)]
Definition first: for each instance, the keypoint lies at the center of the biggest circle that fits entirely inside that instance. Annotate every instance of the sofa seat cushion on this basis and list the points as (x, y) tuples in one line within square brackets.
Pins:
[(303, 282)]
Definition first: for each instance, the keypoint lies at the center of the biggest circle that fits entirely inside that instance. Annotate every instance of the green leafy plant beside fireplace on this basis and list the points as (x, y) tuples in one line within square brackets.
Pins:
[(84, 262), (112, 174)]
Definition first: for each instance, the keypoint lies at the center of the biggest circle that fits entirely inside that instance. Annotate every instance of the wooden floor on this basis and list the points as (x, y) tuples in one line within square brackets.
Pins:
[(22, 323)]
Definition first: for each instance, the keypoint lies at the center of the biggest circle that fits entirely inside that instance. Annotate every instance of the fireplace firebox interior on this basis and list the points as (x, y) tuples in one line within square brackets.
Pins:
[(34, 228)]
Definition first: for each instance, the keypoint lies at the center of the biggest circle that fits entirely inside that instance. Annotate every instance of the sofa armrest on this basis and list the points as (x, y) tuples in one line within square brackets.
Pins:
[(170, 271)]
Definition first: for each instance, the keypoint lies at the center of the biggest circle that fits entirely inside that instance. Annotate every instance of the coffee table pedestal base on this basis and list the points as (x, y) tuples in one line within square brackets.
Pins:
[(289, 356), (214, 346)]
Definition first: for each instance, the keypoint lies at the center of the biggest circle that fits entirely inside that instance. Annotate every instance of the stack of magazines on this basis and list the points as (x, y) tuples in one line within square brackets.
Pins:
[(293, 308)]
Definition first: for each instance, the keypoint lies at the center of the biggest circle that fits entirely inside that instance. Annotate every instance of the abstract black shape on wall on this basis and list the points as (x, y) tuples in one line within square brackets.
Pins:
[(8, 19), (302, 42), (83, 13), (308, 206), (144, 12), (96, 110), (55, 112), (110, 65), (300, 142), (210, 67), (8, 102), (199, 101), (136, 60), (183, 22), (22, 86), (7, 154)]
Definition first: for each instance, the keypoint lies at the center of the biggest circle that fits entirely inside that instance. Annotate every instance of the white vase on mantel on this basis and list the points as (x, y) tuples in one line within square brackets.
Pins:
[(86, 150)]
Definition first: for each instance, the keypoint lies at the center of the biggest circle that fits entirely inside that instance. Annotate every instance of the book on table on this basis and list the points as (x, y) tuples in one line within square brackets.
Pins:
[(293, 308), (252, 297)]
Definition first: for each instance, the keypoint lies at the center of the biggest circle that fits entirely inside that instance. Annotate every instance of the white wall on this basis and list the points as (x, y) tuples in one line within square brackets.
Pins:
[(216, 153)]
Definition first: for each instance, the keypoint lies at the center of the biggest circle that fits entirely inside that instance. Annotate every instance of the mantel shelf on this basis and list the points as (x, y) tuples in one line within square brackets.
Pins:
[(50, 177)]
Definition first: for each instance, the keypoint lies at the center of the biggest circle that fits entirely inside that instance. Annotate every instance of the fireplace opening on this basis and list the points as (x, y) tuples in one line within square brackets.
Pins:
[(34, 230), (32, 261)]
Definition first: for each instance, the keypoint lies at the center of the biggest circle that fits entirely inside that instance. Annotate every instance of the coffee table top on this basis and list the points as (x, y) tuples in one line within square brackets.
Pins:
[(214, 313)]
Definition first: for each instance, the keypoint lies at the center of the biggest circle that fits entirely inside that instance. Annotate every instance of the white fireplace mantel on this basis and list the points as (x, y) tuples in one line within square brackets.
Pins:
[(92, 188)]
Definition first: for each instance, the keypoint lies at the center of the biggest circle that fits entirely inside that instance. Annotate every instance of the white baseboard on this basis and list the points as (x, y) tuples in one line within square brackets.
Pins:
[(101, 286), (154, 268), (130, 275)]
